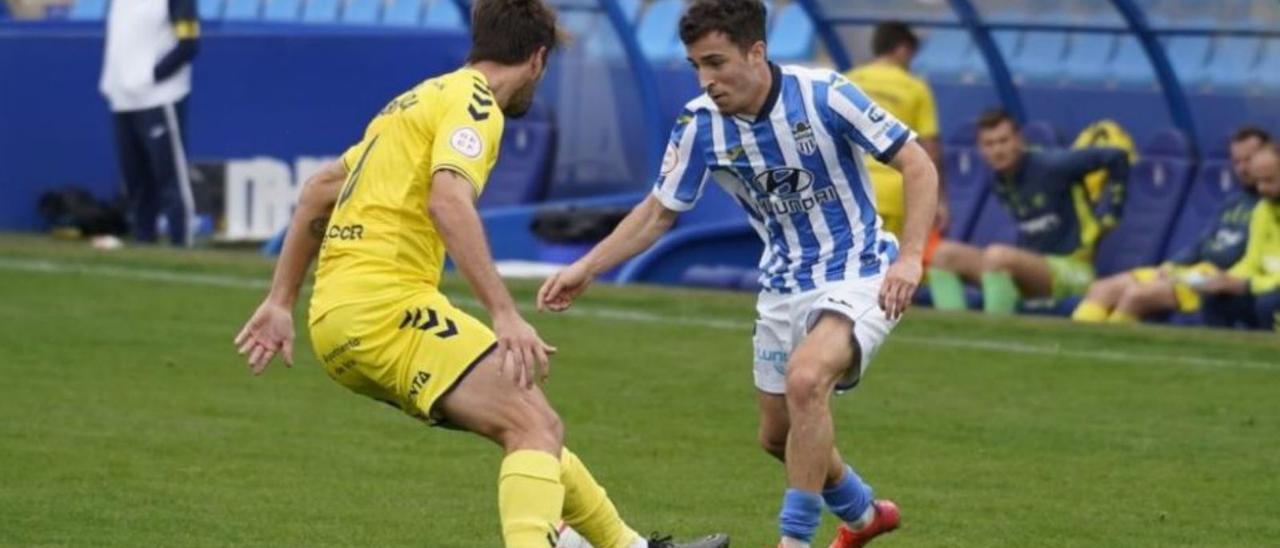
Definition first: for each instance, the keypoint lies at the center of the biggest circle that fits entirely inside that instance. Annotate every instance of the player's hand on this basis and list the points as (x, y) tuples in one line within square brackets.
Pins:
[(524, 356), (269, 331), (559, 291), (900, 285)]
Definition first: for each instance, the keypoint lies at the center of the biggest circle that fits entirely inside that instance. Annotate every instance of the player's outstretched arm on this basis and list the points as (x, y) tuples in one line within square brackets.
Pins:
[(452, 208), (920, 186), (270, 329), (647, 222)]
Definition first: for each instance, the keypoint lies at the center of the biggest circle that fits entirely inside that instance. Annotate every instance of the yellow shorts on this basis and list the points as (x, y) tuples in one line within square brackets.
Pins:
[(1188, 299), (408, 353)]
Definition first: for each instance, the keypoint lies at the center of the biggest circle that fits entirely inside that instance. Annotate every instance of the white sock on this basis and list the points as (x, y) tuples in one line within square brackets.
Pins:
[(867, 517), (571, 539), (788, 542), (639, 542)]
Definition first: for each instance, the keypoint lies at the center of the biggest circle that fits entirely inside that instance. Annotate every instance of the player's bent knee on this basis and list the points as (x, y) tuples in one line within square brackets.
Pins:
[(998, 257), (773, 443), (775, 448), (946, 256)]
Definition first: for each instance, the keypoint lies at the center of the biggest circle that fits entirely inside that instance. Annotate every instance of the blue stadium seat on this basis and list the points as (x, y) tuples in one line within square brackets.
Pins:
[(444, 14), (657, 31), (88, 10), (1131, 67), (209, 10), (1213, 182), (1088, 56), (242, 10), (580, 25), (282, 11), (792, 35), (521, 174), (943, 54), (403, 13), (1234, 59), (994, 224), (964, 135), (320, 11), (362, 12), (1268, 70), (1040, 59), (1190, 56), (968, 183), (1041, 134), (1009, 42), (601, 40), (1157, 186)]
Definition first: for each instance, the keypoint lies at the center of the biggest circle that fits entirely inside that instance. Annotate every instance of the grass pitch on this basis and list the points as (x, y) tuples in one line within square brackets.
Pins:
[(127, 419)]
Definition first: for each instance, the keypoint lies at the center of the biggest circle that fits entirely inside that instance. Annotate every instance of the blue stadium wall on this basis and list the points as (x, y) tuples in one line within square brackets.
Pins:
[(266, 92), (287, 91)]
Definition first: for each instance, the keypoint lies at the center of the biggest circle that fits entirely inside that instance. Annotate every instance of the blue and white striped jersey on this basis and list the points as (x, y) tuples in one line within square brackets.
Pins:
[(796, 171)]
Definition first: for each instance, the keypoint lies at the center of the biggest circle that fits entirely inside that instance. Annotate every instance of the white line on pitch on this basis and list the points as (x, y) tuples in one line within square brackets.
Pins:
[(240, 282)]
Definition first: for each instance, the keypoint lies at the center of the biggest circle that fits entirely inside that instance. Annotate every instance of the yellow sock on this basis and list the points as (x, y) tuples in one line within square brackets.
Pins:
[(1121, 317), (1090, 312), (530, 498), (587, 507)]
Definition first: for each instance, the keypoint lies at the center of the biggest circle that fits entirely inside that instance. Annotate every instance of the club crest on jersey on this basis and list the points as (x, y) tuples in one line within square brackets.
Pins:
[(784, 181), (805, 142)]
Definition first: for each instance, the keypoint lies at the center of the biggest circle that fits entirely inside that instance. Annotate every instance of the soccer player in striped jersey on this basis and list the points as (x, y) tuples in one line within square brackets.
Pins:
[(786, 142)]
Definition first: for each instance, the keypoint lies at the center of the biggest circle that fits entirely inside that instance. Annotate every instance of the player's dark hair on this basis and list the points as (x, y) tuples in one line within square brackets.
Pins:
[(1251, 132), (509, 31), (992, 119), (890, 35), (742, 21)]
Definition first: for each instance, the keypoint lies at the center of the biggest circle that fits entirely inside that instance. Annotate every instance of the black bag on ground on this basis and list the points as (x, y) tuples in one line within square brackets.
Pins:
[(75, 208), (576, 225)]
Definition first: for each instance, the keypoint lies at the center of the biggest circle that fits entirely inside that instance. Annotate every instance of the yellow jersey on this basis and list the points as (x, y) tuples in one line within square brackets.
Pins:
[(907, 98), (1261, 262), (380, 243)]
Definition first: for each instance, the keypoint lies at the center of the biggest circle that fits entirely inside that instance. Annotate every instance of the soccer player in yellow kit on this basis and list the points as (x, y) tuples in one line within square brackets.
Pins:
[(888, 82), (382, 218)]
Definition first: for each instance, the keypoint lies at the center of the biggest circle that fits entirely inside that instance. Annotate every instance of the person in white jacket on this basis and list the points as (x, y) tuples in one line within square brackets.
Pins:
[(146, 78)]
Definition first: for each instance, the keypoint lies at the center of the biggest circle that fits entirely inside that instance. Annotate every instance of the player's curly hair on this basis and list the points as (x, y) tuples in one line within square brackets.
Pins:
[(742, 21), (509, 31)]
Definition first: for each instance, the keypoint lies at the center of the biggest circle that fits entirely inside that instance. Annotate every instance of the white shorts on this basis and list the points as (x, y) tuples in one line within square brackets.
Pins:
[(785, 319)]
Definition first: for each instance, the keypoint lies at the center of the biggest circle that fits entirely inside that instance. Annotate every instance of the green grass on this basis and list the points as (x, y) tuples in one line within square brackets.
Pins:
[(126, 419)]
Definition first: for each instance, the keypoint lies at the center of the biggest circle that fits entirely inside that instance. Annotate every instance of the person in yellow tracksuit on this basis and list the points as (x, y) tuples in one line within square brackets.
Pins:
[(888, 81), (1248, 294)]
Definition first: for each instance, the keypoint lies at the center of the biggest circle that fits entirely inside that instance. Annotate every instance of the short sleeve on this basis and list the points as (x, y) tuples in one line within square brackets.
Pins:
[(683, 172), (869, 125), (352, 156), (468, 134)]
